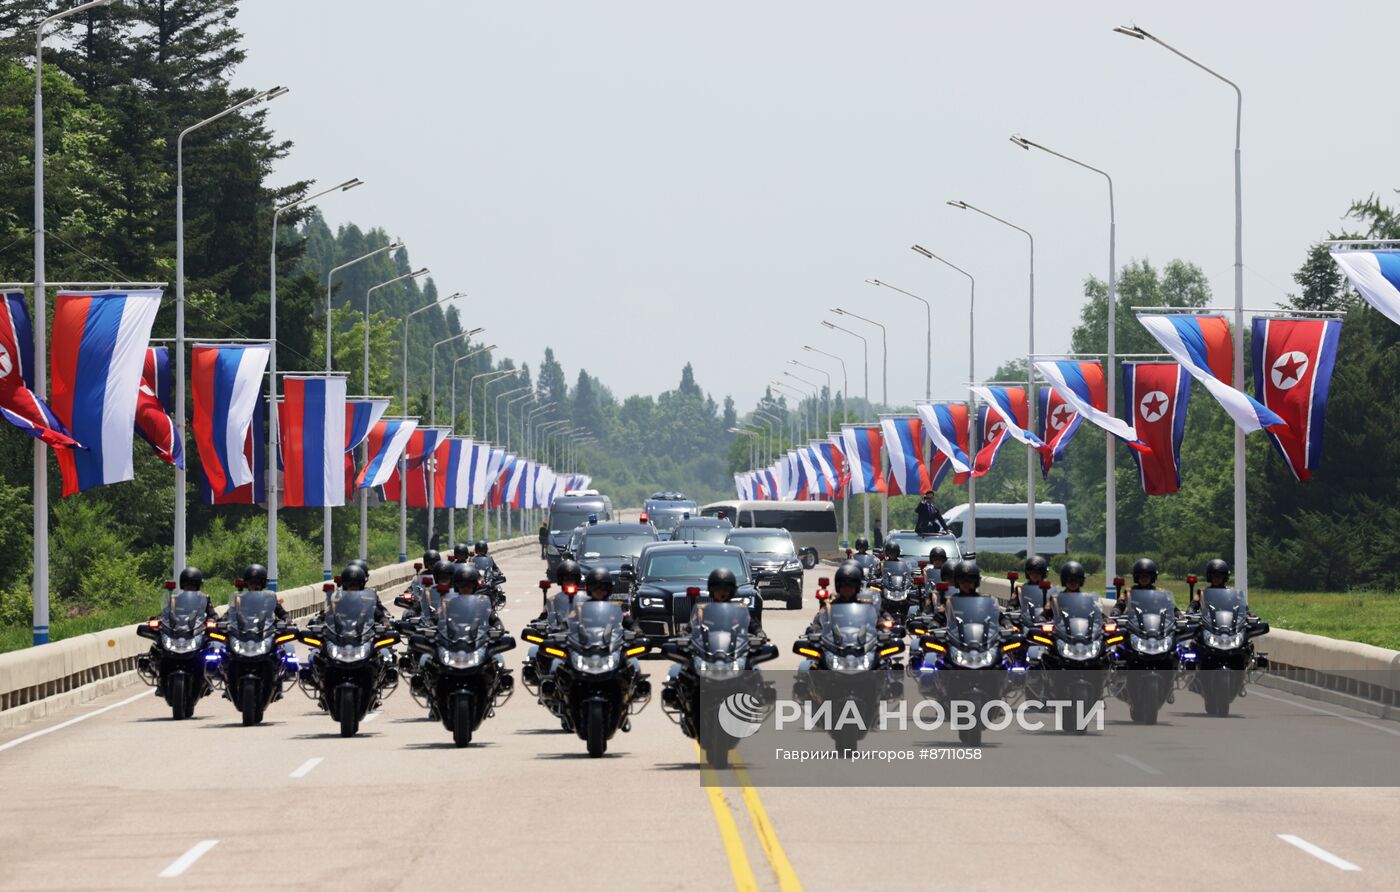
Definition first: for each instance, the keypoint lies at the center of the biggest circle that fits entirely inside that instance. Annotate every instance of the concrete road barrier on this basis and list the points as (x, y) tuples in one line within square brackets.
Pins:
[(42, 680)]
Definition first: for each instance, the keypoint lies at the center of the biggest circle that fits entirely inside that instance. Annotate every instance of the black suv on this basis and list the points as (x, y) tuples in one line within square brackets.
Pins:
[(567, 513), (612, 545), (777, 571), (704, 530), (665, 572)]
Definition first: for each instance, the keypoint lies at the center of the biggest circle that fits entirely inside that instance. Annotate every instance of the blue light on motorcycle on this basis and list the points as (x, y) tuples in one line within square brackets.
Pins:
[(1018, 668)]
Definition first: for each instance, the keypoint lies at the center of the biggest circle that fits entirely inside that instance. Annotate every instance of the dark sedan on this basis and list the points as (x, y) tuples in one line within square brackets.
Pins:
[(667, 569), (704, 530), (612, 545), (773, 558)]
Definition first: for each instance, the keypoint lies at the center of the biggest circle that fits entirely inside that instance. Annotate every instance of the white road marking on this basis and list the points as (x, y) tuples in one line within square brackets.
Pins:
[(371, 717), (185, 861), (1337, 715), (306, 767), (1319, 853), (1138, 764), (40, 733)]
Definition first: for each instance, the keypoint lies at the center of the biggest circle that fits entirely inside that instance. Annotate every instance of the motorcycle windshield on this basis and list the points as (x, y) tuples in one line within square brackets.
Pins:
[(847, 626), (1033, 597), (1153, 612), (484, 564), (252, 614), (974, 621), (464, 620), (557, 613), (596, 626), (350, 616), (719, 631), (184, 611), (1080, 617), (1223, 609)]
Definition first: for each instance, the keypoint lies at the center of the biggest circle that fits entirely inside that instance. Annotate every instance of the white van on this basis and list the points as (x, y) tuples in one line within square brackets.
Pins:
[(811, 524), (1002, 528)]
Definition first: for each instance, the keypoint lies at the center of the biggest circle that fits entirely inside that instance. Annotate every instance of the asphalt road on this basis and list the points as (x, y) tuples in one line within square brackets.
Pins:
[(116, 795)]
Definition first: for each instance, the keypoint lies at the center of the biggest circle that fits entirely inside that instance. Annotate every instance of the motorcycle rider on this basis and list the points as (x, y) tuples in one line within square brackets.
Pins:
[(461, 553), (1144, 578), (484, 562), (723, 586), (255, 580), (192, 580), (1037, 571), (354, 579), (863, 558), (430, 557), (466, 579), (846, 583), (1217, 575), (598, 585), (1072, 578)]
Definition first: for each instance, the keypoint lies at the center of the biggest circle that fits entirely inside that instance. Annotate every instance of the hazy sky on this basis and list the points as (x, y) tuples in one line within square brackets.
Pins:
[(638, 184)]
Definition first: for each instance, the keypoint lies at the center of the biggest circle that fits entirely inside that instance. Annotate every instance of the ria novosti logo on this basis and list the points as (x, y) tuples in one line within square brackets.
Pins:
[(741, 715)]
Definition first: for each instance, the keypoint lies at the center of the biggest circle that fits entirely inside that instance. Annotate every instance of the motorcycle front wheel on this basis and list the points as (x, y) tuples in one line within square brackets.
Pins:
[(248, 701), (595, 721), (349, 722), (462, 713)]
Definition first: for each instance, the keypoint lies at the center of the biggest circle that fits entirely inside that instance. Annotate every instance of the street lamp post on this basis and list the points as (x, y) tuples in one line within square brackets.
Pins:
[(496, 417), (816, 396), (1111, 450), (829, 399), (364, 448), (180, 486), (865, 352), (1241, 549), (485, 378), (471, 428), (845, 395), (928, 349), (41, 349), (403, 458), (884, 354), (524, 399), (971, 526), (793, 391), (1030, 375), (432, 417), (326, 571), (272, 421)]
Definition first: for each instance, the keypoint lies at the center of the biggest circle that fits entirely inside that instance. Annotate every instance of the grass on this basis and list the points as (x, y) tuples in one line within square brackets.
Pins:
[(1367, 617)]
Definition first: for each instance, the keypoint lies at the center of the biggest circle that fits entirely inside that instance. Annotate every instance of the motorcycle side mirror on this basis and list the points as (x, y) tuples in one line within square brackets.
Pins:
[(328, 587), (403, 601), (823, 582), (417, 565), (170, 585), (544, 585)]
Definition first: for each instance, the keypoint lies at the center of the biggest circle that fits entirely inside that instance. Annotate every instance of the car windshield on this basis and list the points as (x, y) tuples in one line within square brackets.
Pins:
[(252, 613), (762, 543), (916, 547), (665, 520), (598, 543), (562, 520), (692, 564), (705, 535)]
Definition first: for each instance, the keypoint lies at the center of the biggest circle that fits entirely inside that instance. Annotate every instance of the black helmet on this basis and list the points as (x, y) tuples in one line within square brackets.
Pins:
[(598, 577), (466, 576), (936, 553), (1071, 570), (948, 571), (849, 573), (255, 575), (723, 579), (891, 549), (431, 557), (361, 563), (353, 578), (1036, 562), (481, 546), (569, 571), (461, 551), (1214, 567), (442, 572), (967, 570), (862, 543), (1145, 567), (191, 578)]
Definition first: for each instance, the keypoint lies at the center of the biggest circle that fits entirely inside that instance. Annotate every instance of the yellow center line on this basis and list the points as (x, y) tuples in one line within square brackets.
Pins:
[(744, 880), (767, 836)]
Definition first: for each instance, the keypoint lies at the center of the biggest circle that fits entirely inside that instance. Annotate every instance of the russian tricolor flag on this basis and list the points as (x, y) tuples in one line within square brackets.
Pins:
[(450, 477), (97, 353), (863, 444), (947, 429), (312, 440), (1084, 390), (1203, 347), (360, 416), (904, 439), (387, 441), (1376, 277), (225, 380), (19, 404)]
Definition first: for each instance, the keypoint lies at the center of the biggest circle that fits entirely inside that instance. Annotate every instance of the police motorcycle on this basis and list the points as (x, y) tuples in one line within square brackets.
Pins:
[(1075, 662), (179, 660), (850, 658), (463, 675), (968, 659), (898, 596), (256, 666), (1146, 663), (1028, 612), (421, 611), (598, 681), (1220, 653), (721, 654), (491, 583), (351, 668)]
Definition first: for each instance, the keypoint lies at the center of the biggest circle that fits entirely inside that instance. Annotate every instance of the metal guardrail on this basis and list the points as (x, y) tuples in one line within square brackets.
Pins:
[(36, 681)]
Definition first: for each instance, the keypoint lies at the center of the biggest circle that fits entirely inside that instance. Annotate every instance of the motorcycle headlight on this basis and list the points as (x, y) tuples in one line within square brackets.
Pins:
[(895, 594), (254, 648), (711, 667), (1079, 650), (1228, 641), (181, 645), (348, 653), (1150, 646), (972, 659), (792, 565), (461, 659), (595, 664), (653, 603), (851, 662)]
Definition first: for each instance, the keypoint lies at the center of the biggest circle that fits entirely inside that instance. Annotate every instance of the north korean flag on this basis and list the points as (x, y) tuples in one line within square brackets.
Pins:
[(1155, 399), (1056, 423), (994, 431), (1293, 360), (154, 401)]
